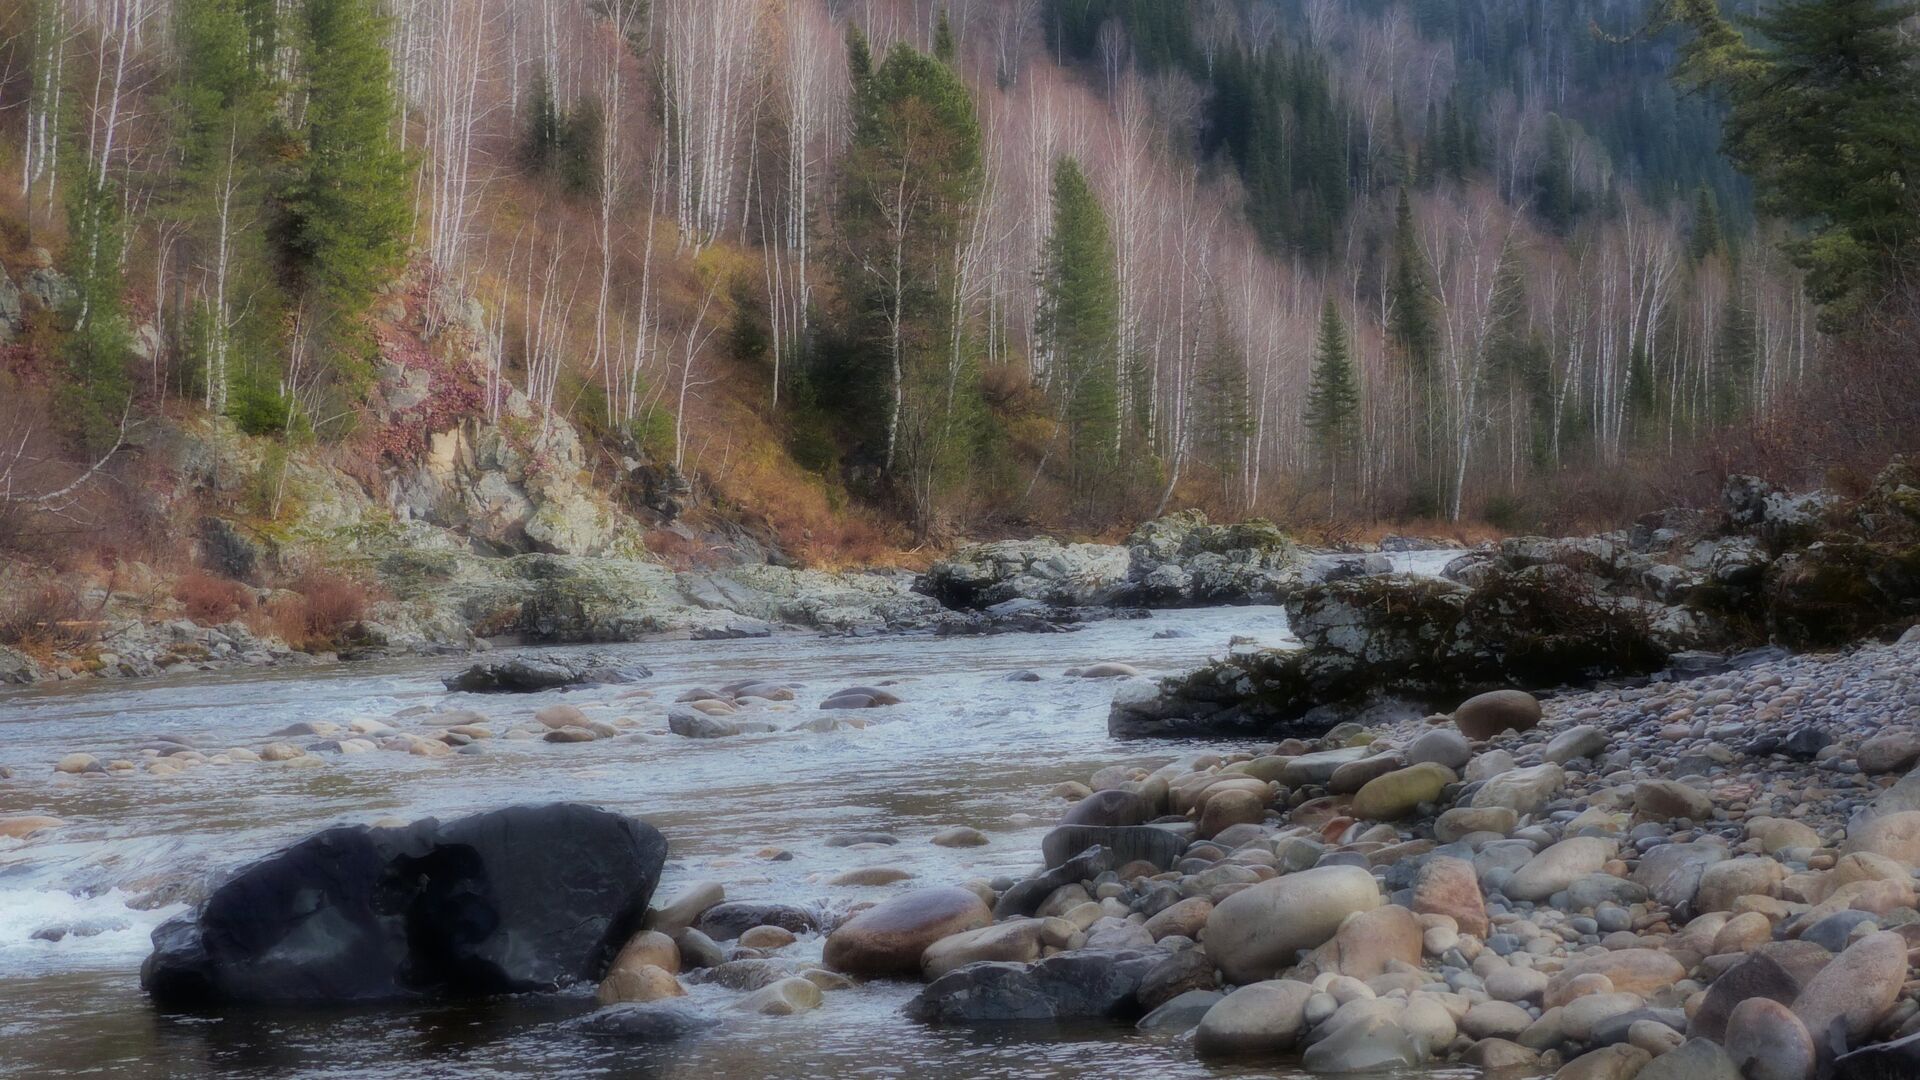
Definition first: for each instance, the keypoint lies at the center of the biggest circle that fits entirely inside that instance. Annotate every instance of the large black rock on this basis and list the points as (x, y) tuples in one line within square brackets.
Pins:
[(521, 899), (1896, 1060)]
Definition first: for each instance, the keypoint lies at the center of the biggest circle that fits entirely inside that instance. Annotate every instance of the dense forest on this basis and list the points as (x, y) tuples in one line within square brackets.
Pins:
[(962, 265)]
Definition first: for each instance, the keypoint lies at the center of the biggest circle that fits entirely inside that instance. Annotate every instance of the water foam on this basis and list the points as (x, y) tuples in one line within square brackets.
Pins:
[(52, 929)]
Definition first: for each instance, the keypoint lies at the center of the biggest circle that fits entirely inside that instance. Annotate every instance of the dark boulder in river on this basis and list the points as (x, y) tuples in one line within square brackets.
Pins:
[(522, 899), (532, 674)]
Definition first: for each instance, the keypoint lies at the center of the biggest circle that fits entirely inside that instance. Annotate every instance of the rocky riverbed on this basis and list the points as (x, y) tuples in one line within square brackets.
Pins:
[(1675, 879)]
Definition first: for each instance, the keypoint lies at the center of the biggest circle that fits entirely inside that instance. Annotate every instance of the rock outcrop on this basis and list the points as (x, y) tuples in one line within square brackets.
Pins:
[(1679, 588), (1420, 643), (1181, 560)]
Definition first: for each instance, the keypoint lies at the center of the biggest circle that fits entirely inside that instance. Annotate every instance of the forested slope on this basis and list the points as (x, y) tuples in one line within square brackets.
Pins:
[(859, 274)]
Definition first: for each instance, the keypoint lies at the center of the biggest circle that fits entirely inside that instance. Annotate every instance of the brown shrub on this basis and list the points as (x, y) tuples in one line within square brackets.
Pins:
[(40, 620), (335, 604), (211, 600), (319, 610)]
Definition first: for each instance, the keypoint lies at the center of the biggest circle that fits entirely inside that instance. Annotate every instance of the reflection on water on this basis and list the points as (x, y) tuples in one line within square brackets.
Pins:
[(967, 748)]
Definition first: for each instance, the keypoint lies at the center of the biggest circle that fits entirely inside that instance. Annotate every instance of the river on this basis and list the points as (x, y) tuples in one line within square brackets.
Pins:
[(966, 748)]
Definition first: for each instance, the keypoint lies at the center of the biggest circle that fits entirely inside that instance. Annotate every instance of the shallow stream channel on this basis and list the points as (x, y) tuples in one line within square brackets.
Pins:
[(967, 747)]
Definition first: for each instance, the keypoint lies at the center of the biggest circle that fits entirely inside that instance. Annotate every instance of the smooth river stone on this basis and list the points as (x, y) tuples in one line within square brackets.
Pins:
[(1259, 1018), (1558, 867), (1260, 929), (889, 938), (1487, 715), (1850, 995), (1768, 1042)]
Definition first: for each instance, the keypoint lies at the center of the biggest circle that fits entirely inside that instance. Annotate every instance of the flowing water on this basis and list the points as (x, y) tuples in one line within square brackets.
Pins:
[(967, 748)]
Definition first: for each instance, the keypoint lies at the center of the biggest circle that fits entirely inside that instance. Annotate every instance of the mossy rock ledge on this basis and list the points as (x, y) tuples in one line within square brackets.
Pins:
[(1809, 571), (1402, 643)]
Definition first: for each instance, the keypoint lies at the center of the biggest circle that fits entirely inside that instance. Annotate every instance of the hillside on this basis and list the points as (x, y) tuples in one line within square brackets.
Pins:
[(709, 283)]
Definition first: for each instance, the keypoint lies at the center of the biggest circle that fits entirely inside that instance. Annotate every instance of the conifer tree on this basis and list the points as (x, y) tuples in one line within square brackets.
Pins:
[(1706, 237), (943, 44), (1410, 295), (97, 390), (1555, 179), (352, 205), (1224, 413), (224, 104), (1517, 360), (1735, 355), (1080, 322), (1333, 397), (1824, 115), (912, 177), (540, 146)]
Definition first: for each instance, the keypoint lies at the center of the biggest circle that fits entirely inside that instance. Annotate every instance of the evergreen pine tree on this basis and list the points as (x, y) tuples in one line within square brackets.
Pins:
[(1224, 413), (910, 183), (1453, 148), (1410, 296), (229, 136), (1333, 396), (1516, 358), (1394, 171), (1080, 323), (97, 391), (1735, 355), (944, 48), (1555, 179), (578, 149), (1825, 116), (1705, 238), (353, 205), (540, 146)]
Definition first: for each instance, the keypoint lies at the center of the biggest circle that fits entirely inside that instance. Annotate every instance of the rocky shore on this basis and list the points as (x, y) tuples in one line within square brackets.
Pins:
[(439, 596), (1681, 589), (1711, 878)]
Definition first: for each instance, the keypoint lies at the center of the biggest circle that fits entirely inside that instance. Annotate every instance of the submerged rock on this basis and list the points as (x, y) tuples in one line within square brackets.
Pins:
[(460, 909), (653, 1021), (532, 674), (1085, 984)]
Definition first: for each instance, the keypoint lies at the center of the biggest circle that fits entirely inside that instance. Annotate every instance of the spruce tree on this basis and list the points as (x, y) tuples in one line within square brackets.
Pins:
[(1224, 411), (1555, 179), (1736, 352), (230, 140), (352, 206), (1705, 238), (1080, 323), (578, 148), (1410, 296), (1333, 396), (1516, 358), (1824, 115), (943, 44), (97, 391), (910, 184), (540, 145)]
